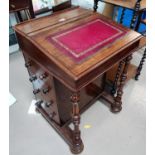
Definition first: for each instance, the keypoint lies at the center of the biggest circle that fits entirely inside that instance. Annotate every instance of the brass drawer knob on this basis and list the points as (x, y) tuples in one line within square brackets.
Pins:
[(43, 76), (33, 78), (36, 91), (45, 90), (28, 64)]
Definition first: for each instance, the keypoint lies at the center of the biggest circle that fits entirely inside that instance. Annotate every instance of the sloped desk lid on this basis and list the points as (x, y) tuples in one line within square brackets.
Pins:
[(82, 41), (80, 47)]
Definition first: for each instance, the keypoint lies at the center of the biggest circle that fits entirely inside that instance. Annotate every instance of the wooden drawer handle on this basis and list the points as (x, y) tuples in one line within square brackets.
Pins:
[(45, 90), (48, 104), (43, 76), (33, 78), (38, 104), (28, 64), (36, 91)]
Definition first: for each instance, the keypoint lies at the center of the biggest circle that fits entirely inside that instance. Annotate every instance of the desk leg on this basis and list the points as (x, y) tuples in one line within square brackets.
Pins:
[(117, 105), (118, 73), (77, 142), (140, 65)]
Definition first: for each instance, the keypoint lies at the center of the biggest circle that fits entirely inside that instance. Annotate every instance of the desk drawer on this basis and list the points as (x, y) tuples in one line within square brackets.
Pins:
[(47, 94)]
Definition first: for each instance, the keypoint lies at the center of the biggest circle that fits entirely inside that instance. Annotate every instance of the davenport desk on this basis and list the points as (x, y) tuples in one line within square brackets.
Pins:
[(66, 55)]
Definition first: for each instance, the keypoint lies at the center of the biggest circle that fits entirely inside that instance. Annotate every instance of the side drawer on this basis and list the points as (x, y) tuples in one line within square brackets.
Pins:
[(43, 87)]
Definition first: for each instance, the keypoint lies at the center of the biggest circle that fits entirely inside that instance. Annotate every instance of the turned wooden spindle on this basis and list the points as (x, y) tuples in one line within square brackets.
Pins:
[(139, 69), (95, 5), (77, 142), (117, 105), (133, 21), (117, 76), (135, 14), (132, 26), (122, 16)]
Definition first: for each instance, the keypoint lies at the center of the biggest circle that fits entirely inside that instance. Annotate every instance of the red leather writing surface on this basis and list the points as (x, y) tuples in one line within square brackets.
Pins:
[(83, 41)]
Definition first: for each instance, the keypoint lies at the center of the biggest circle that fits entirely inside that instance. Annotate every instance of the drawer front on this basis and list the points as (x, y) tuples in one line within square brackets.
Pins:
[(43, 87)]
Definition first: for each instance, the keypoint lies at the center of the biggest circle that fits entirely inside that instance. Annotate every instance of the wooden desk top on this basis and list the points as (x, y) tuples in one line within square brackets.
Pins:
[(130, 4), (33, 34)]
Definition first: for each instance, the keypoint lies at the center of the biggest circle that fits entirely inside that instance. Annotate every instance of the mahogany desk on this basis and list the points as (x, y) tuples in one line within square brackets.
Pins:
[(66, 56)]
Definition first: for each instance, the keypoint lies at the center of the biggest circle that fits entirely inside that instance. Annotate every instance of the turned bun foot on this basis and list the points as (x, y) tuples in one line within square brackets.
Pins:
[(116, 109), (77, 149)]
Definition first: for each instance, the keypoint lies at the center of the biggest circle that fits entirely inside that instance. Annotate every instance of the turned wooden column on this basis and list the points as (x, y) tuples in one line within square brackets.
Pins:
[(117, 105), (139, 69), (118, 73), (95, 5), (77, 142), (135, 14)]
